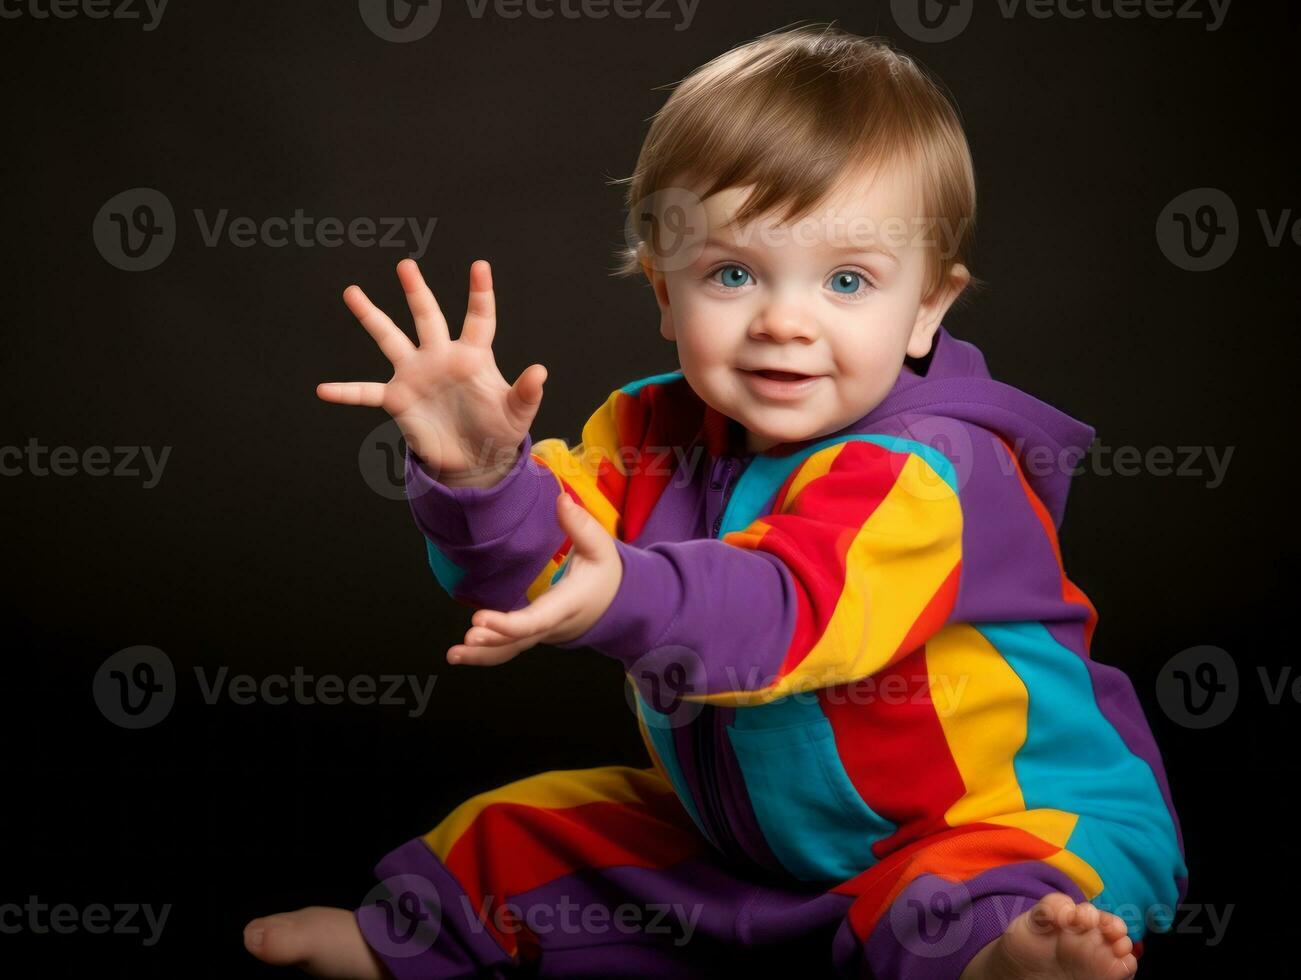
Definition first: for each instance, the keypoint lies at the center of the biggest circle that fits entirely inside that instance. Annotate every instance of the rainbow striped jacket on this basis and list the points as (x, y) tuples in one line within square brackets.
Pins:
[(844, 646)]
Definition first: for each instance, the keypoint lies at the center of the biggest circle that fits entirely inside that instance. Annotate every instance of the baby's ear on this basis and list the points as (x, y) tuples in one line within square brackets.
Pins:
[(659, 284), (932, 310)]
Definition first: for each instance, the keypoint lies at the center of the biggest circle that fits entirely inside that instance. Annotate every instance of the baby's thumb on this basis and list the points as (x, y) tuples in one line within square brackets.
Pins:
[(525, 394), (583, 529)]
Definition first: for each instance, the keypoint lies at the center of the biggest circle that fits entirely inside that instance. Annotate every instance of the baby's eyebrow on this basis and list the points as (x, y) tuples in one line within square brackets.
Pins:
[(868, 248)]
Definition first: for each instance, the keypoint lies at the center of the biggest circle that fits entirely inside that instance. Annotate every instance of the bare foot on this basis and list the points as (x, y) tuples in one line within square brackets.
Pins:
[(1058, 940), (325, 942)]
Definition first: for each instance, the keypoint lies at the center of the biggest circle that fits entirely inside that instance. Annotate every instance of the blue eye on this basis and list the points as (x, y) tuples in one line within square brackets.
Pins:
[(733, 276), (846, 283)]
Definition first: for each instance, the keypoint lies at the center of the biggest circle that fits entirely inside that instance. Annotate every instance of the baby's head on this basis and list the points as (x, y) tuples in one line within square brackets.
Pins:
[(803, 203)]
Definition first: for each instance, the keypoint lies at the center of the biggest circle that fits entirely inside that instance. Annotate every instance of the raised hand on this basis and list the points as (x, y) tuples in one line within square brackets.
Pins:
[(455, 409)]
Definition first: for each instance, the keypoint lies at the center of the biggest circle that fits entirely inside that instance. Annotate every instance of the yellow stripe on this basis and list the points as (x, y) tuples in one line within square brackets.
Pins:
[(896, 563), (1054, 827), (543, 580), (580, 466), (982, 708), (554, 790), (819, 464)]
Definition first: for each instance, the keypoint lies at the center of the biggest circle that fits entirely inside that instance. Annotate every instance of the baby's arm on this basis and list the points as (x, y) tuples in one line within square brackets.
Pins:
[(481, 492), (502, 546), (856, 563)]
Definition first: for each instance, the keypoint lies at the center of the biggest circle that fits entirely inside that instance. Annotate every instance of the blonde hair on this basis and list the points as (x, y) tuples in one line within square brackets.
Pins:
[(796, 111)]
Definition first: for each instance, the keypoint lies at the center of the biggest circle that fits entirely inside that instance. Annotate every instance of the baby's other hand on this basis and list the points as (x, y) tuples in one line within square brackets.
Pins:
[(565, 611)]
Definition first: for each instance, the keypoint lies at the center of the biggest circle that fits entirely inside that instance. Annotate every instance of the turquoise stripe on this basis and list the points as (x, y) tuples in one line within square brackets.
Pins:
[(632, 387), (764, 476), (1074, 760), (660, 728), (562, 567), (448, 573), (811, 814)]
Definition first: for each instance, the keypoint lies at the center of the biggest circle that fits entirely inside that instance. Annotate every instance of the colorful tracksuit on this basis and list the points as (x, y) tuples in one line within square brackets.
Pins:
[(863, 679)]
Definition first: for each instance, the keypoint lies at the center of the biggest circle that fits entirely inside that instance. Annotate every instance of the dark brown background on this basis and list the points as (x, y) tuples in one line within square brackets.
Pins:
[(262, 547)]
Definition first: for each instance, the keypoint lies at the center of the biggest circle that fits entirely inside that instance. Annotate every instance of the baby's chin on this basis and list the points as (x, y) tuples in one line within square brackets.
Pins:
[(760, 438)]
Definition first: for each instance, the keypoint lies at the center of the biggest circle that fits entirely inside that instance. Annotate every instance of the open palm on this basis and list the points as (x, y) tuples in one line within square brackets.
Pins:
[(455, 409)]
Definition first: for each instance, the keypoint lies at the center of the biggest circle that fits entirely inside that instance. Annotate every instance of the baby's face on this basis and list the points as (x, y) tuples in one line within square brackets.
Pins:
[(834, 298)]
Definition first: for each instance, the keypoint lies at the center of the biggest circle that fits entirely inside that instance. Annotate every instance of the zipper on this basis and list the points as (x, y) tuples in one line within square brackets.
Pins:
[(725, 483), (705, 729)]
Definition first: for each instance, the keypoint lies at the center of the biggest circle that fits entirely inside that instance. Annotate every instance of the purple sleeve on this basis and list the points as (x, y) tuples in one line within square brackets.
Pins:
[(725, 614), (487, 544)]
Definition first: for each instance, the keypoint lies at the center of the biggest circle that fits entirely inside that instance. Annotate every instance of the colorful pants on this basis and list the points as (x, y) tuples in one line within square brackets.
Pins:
[(602, 873)]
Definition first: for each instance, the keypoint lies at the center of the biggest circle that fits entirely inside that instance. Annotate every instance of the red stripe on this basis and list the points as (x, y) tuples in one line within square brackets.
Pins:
[(957, 855), (511, 847), (893, 748), (1071, 593), (814, 536)]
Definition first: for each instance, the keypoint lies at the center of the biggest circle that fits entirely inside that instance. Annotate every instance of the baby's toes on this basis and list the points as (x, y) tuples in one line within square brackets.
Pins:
[(1124, 966), (1085, 916), (1051, 912), (280, 939), (1113, 926)]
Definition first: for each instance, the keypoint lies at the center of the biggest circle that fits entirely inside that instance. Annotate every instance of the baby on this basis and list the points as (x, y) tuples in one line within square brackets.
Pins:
[(825, 551)]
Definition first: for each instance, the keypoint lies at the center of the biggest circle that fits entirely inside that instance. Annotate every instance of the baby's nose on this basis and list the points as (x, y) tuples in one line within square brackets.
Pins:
[(783, 323)]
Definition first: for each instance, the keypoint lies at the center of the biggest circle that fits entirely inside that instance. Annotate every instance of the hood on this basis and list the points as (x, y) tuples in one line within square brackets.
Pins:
[(952, 381), (956, 384)]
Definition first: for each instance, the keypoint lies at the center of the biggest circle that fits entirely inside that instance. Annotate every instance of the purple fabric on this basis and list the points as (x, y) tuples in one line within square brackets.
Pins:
[(934, 927), (1114, 693), (673, 595), (454, 944), (696, 919), (500, 536)]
